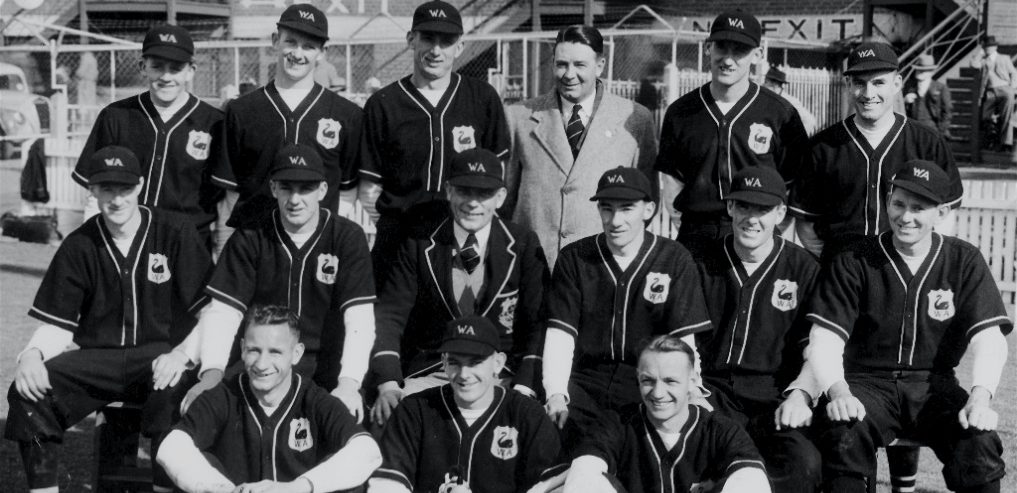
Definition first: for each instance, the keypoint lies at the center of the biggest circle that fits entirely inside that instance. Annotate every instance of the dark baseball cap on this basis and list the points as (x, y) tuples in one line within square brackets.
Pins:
[(306, 19), (925, 179), (872, 56), (736, 26), (777, 75), (114, 164), (759, 185), (474, 335), (438, 17), (173, 43), (297, 162), (623, 184), (478, 168)]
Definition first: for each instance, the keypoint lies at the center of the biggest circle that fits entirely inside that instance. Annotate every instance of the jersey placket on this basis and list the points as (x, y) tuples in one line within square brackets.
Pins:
[(874, 158), (127, 270), (293, 119), (747, 296), (163, 132), (725, 132), (435, 168), (623, 281), (913, 286), (468, 435)]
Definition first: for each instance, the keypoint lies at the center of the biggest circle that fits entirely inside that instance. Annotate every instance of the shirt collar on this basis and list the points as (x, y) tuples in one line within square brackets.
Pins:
[(482, 236), (585, 111)]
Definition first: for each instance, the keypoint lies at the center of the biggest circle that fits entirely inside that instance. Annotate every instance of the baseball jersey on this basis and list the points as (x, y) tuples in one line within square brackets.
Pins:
[(259, 124), (758, 326), (307, 427), (176, 156), (111, 300), (318, 281), (893, 320), (427, 443), (711, 447), (408, 143), (844, 181), (611, 312), (703, 147)]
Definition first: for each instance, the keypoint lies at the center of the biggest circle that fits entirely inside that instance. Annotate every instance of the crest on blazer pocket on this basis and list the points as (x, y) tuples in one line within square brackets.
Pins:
[(328, 264), (198, 143), (158, 268), (300, 434), (760, 136), (463, 138), (328, 133), (505, 444), (507, 313), (941, 305), (657, 287), (785, 295)]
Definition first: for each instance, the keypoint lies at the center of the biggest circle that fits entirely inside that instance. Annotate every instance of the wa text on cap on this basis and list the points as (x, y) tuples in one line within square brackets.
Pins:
[(169, 42), (306, 19), (736, 26), (437, 16)]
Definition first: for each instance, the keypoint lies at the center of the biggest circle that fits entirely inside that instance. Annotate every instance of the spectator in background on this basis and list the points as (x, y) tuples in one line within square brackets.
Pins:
[(776, 81), (928, 100), (999, 81), (326, 74)]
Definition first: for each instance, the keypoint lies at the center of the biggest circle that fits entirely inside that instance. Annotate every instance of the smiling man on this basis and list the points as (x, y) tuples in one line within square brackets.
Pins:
[(609, 292), (565, 139), (470, 434), (472, 263), (268, 429), (174, 134), (723, 127), (304, 257), (845, 177), (891, 319), (415, 126), (665, 443), (290, 109)]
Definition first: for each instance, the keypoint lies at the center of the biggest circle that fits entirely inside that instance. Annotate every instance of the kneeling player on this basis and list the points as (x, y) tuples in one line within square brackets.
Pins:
[(667, 444), (470, 434), (269, 427), (121, 287), (892, 316)]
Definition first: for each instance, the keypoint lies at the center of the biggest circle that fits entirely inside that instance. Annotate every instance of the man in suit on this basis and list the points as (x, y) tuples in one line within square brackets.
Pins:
[(563, 141), (999, 81), (472, 263), (928, 100)]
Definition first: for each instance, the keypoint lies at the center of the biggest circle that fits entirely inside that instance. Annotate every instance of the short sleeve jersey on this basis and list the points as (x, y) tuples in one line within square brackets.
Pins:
[(892, 319), (427, 443), (610, 311), (110, 300), (844, 181), (759, 319), (318, 281), (703, 147), (408, 143), (228, 423), (259, 124), (176, 156), (711, 447)]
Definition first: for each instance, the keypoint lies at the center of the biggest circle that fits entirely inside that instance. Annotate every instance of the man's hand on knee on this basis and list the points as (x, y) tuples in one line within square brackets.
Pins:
[(976, 413), (844, 406), (794, 412), (167, 369), (348, 391), (31, 379), (389, 397), (208, 380)]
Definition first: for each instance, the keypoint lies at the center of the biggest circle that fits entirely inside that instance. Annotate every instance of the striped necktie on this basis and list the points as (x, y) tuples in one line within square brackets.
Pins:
[(574, 130), (469, 254)]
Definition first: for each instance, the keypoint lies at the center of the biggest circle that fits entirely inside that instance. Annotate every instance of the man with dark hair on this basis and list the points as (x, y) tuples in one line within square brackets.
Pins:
[(268, 427), (414, 126), (723, 127), (665, 443), (564, 140)]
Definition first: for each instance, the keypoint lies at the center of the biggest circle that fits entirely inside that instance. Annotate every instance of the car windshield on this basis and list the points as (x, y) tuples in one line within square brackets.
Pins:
[(11, 82)]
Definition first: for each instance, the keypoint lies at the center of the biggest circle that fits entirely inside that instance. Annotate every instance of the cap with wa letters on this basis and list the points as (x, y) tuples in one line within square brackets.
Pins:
[(474, 335), (297, 162), (736, 26), (170, 42), (114, 164), (477, 168), (925, 179), (759, 185), (872, 57), (437, 16), (306, 19), (623, 183)]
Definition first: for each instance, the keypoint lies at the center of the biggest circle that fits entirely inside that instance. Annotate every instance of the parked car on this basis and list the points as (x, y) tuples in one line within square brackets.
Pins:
[(22, 114)]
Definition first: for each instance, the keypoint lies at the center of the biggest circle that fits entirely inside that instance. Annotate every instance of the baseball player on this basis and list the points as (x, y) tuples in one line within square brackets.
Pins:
[(469, 434), (291, 109), (666, 444), (269, 426), (303, 256), (609, 292), (123, 287), (173, 133), (473, 262), (414, 126), (726, 125), (754, 282), (845, 176), (892, 316)]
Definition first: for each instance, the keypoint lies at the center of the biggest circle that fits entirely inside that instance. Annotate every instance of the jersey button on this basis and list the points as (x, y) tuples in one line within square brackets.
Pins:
[(437, 139)]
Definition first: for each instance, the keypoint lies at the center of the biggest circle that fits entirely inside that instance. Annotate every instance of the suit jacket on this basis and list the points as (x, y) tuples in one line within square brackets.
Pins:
[(1001, 69), (549, 191), (416, 301), (934, 109)]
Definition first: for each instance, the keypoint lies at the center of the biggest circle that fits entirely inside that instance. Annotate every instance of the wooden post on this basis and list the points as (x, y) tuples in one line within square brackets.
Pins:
[(83, 20), (976, 118)]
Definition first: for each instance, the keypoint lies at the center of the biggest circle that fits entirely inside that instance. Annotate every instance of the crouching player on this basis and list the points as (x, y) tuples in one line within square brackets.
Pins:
[(892, 316), (269, 428), (123, 287)]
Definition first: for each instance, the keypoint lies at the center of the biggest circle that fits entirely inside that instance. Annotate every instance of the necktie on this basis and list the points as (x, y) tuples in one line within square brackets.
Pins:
[(469, 254), (574, 130)]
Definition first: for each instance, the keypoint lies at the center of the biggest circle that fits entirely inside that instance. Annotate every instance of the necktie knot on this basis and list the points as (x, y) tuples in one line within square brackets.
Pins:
[(469, 254)]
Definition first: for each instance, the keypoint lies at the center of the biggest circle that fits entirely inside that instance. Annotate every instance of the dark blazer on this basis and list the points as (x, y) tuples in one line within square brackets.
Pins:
[(416, 301), (934, 109)]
